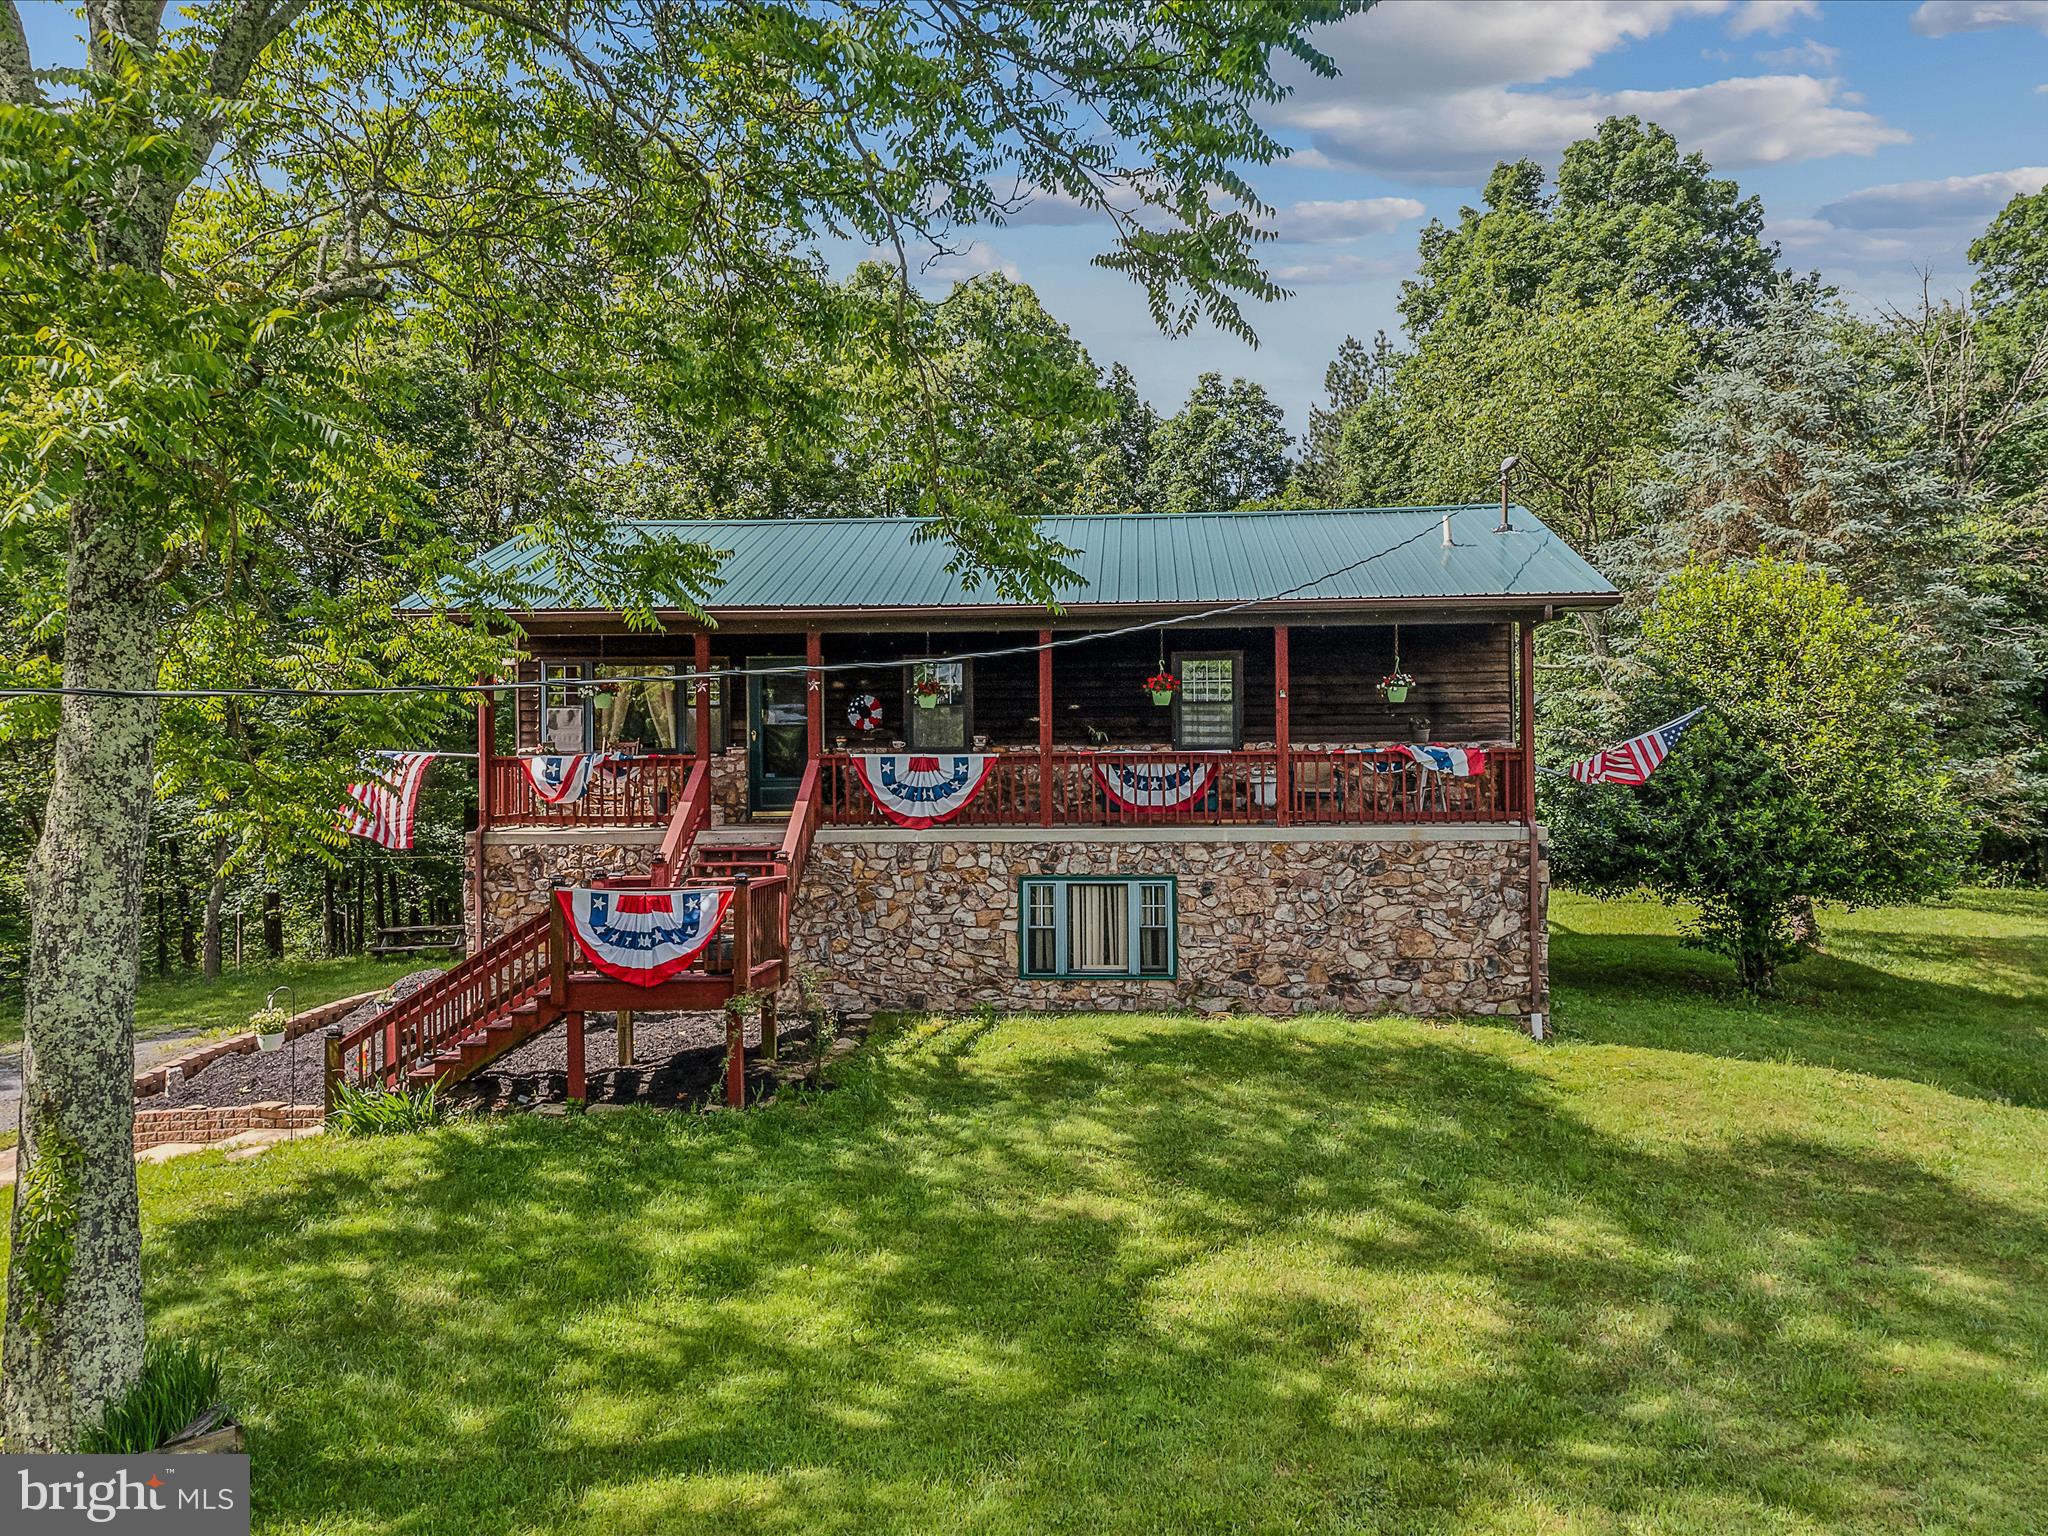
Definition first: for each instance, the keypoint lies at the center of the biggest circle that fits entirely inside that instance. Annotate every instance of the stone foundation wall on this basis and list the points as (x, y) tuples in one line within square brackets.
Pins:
[(1424, 924), (1425, 920), (519, 865)]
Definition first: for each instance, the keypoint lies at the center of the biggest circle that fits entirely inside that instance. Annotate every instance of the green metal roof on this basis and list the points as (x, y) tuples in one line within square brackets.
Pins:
[(1364, 556)]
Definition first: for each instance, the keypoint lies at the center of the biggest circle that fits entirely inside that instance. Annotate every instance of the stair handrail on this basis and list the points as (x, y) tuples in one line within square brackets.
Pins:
[(795, 850), (450, 1005), (692, 814)]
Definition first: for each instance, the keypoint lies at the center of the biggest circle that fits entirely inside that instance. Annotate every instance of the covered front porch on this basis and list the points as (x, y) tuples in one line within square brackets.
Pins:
[(1275, 725)]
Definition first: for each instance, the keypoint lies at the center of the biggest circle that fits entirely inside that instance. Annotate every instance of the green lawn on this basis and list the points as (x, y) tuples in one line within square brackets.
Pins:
[(1699, 1267), (188, 1005)]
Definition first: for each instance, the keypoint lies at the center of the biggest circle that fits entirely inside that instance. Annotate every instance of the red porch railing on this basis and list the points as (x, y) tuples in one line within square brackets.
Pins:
[(641, 790), (1326, 787)]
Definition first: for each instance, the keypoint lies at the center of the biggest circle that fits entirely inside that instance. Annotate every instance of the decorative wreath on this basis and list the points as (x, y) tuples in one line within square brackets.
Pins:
[(864, 711)]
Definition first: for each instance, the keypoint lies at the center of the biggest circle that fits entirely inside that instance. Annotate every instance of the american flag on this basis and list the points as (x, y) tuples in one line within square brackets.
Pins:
[(1636, 759), (381, 806)]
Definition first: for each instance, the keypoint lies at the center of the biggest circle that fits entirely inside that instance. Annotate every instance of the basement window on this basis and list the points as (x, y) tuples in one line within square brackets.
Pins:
[(1095, 926)]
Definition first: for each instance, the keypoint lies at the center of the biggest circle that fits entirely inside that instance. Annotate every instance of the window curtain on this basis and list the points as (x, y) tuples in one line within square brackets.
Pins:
[(1098, 927)]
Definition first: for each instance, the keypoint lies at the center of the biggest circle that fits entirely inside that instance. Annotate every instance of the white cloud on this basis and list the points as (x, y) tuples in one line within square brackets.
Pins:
[(1804, 54), (1339, 267), (1942, 18), (1914, 205), (1755, 120), (1770, 17), (1326, 223)]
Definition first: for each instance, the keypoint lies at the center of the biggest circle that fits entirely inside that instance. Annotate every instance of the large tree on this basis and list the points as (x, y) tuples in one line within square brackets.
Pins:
[(1812, 778), (1226, 447), (568, 192), (1629, 217)]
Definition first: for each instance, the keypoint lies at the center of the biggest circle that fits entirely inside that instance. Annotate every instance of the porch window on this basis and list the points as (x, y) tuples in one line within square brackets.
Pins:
[(937, 704), (565, 712), (1208, 713), (1097, 927), (719, 737), (643, 706)]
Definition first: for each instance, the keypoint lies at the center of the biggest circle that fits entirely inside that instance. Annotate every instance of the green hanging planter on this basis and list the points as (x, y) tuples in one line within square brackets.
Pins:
[(1162, 696), (927, 701)]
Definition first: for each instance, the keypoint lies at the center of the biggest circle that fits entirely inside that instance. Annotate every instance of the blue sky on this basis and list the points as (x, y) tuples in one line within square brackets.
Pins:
[(1881, 135)]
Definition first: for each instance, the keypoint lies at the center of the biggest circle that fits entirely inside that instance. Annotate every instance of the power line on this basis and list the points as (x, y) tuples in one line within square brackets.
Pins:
[(405, 690)]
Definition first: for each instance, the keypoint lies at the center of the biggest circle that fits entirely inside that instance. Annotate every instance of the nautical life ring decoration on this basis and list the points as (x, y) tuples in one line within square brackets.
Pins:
[(1152, 788), (920, 789), (643, 937), (864, 712)]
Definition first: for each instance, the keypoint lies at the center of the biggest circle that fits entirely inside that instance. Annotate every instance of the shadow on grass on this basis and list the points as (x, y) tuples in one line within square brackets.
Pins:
[(1986, 1037), (1121, 1275)]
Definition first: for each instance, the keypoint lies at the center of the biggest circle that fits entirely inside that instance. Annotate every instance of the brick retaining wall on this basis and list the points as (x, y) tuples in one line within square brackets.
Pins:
[(200, 1123)]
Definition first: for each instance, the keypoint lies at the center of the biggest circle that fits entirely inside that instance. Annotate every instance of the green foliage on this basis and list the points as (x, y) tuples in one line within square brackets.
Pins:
[(179, 1383), (1630, 219), (1811, 779), (375, 1111), (46, 1228), (1226, 448)]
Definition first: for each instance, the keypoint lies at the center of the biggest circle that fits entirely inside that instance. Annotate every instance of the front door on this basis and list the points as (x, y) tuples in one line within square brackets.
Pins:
[(777, 734)]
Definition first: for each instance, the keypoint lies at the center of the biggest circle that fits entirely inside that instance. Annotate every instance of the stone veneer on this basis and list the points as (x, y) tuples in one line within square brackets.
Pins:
[(520, 863), (1424, 920)]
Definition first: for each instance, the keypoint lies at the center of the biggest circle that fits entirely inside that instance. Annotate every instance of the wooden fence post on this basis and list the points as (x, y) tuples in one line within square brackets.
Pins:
[(330, 1076), (578, 1089), (742, 983), (625, 1037)]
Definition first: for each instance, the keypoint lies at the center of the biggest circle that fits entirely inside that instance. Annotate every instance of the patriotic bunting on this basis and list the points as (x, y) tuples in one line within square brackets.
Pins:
[(563, 780), (1155, 787), (919, 790), (1635, 759), (643, 937), (381, 805), (1458, 762)]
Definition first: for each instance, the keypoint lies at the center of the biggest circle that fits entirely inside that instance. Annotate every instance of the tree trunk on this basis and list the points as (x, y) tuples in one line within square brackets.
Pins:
[(74, 1287), (216, 893), (273, 925)]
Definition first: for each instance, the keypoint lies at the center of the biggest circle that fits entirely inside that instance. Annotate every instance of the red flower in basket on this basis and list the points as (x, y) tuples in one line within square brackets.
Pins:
[(1162, 686)]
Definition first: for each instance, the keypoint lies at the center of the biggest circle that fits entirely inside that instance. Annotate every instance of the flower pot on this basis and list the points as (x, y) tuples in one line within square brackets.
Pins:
[(1397, 694), (927, 701), (269, 1039), (1162, 696)]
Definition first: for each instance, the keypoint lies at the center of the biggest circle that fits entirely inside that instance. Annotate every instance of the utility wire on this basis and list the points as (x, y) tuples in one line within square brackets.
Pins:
[(400, 690)]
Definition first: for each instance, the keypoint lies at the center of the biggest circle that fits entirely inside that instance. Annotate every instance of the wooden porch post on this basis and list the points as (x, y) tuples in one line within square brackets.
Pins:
[(577, 1087), (814, 694), (625, 1037), (703, 691), (1045, 727), (742, 983), (1283, 770), (1527, 710)]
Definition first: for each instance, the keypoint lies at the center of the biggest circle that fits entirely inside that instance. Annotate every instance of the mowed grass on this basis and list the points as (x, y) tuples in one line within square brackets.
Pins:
[(179, 1005), (1130, 1274)]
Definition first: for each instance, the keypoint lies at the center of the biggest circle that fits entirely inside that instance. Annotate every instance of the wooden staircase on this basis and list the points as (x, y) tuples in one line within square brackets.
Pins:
[(521, 984)]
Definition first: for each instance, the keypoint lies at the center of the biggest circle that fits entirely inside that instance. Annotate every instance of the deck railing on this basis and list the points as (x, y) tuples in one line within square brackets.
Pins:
[(1325, 786), (635, 791)]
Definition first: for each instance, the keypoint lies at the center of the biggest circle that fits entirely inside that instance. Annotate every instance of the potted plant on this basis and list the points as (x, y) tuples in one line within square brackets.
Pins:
[(928, 691), (269, 1024), (1162, 685), (1395, 686)]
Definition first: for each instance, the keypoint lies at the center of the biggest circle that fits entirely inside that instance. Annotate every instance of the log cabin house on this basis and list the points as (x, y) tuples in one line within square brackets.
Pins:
[(1268, 834)]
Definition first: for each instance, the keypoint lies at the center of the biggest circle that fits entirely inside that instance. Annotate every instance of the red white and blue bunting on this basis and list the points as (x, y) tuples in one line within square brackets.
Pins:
[(1155, 787), (1458, 762), (563, 780), (643, 937), (922, 790), (381, 805)]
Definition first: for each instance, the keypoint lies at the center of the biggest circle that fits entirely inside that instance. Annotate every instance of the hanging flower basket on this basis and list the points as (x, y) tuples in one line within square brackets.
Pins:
[(929, 692), (1162, 686), (269, 1026), (1395, 686)]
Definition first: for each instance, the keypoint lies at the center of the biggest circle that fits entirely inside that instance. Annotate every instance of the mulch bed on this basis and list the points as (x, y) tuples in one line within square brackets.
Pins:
[(291, 1074), (678, 1062)]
